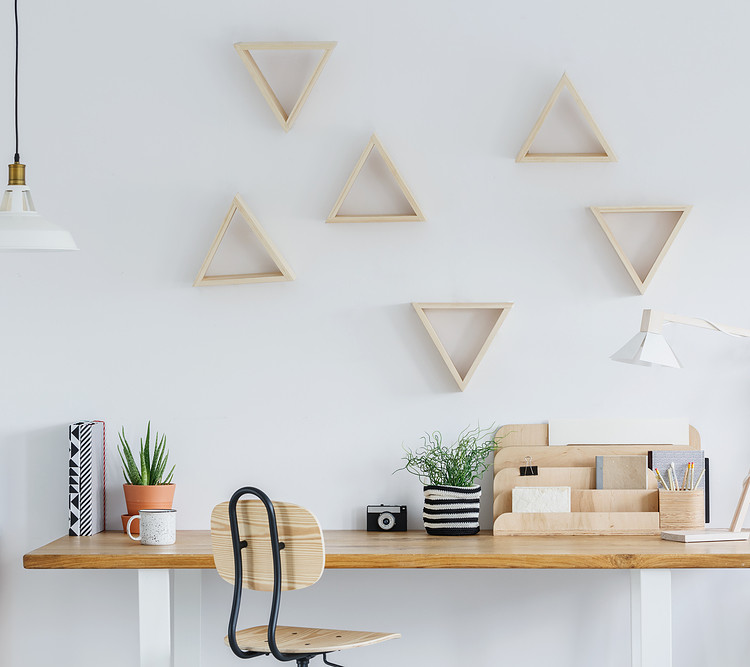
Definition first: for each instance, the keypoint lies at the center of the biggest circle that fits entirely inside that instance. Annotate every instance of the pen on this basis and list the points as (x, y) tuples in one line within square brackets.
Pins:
[(700, 477)]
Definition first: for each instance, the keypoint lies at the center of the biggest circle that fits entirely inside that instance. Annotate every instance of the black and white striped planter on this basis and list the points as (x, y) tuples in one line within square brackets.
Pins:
[(451, 510)]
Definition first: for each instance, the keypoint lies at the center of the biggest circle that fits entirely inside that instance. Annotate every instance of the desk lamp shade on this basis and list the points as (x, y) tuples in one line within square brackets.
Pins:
[(647, 348), (21, 227)]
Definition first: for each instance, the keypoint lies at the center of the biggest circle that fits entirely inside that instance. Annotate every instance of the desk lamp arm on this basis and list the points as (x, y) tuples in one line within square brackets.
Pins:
[(742, 506), (654, 320)]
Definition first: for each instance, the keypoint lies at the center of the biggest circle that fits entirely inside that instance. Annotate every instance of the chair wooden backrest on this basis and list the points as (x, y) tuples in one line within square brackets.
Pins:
[(302, 557)]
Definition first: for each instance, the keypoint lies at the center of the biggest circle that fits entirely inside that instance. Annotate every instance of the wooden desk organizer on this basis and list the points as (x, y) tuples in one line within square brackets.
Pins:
[(682, 510), (593, 511)]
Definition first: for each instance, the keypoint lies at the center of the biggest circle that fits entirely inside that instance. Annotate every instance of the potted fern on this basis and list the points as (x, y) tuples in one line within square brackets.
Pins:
[(147, 484), (450, 476)]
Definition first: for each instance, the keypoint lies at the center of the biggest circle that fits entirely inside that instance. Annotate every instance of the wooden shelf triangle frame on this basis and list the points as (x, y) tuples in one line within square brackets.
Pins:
[(416, 214), (607, 154), (600, 212), (286, 119), (284, 270), (462, 380)]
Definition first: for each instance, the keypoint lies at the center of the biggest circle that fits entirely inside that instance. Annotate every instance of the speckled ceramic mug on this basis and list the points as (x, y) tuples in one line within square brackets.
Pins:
[(157, 527)]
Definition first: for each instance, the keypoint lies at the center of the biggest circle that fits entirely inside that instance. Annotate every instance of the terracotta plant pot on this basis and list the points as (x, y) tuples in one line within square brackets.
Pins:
[(156, 497)]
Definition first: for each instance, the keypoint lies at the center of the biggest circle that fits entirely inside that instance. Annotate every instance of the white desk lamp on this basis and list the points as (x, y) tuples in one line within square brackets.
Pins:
[(650, 348)]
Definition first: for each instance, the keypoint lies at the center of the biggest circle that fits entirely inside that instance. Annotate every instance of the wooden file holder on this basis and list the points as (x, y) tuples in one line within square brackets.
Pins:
[(593, 511)]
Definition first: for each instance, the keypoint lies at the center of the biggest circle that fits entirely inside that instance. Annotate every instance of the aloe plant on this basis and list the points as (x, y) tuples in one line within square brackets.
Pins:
[(151, 467)]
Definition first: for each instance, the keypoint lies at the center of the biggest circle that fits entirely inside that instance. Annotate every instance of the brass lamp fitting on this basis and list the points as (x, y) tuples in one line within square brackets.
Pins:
[(16, 174)]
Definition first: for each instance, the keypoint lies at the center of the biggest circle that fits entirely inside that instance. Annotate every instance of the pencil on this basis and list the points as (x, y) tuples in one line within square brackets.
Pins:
[(700, 477), (685, 478)]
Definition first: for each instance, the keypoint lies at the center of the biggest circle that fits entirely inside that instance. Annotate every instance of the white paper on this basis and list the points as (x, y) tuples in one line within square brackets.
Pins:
[(619, 432)]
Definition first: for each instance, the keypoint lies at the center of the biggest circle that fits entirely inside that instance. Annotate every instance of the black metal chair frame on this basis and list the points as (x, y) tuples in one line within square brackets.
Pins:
[(276, 546)]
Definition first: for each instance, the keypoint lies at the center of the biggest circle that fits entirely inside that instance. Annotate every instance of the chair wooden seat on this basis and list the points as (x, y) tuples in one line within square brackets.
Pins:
[(307, 640), (275, 546)]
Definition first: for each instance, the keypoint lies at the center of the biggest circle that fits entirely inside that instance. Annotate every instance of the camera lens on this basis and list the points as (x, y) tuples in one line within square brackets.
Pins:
[(386, 521)]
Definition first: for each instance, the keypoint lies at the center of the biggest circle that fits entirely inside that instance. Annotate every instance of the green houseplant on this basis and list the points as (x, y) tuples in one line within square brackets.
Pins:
[(147, 484), (450, 475)]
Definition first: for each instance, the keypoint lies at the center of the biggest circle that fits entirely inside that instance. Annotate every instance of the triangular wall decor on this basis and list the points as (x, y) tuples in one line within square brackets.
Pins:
[(462, 379), (641, 282), (286, 119), (284, 270), (606, 154), (416, 214)]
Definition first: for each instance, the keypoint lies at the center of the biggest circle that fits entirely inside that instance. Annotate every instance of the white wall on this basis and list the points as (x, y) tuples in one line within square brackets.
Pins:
[(139, 124)]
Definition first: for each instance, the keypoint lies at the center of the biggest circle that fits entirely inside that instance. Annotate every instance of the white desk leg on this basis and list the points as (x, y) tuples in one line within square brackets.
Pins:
[(155, 618), (187, 618), (651, 618)]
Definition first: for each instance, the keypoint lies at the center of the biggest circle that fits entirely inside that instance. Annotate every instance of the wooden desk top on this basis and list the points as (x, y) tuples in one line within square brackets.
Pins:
[(414, 549)]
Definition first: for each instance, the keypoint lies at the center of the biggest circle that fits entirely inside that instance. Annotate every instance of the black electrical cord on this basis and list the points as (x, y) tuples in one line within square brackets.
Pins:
[(17, 157)]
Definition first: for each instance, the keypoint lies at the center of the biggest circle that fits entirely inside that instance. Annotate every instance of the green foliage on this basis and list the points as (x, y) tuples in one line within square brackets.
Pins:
[(461, 464), (151, 467)]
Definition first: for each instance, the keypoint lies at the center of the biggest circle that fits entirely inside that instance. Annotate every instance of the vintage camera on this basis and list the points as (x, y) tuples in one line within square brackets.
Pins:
[(386, 517)]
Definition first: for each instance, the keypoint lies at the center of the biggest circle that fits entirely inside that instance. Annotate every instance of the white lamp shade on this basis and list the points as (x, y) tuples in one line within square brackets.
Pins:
[(647, 349), (30, 231), (22, 228)]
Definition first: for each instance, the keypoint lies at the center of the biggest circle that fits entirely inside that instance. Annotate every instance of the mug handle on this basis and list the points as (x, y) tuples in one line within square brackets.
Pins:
[(127, 528)]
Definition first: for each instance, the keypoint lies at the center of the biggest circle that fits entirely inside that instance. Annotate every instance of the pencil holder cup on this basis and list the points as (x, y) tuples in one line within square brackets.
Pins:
[(681, 510)]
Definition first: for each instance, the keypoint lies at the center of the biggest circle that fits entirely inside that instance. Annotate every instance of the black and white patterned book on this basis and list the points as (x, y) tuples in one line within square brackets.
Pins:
[(86, 500)]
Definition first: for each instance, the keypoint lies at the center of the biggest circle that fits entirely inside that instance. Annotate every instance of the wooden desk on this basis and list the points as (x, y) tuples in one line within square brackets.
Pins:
[(649, 558), (356, 549)]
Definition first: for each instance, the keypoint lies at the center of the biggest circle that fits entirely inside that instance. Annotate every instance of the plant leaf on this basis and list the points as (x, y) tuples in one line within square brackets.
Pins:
[(169, 476), (130, 469), (144, 469), (146, 463)]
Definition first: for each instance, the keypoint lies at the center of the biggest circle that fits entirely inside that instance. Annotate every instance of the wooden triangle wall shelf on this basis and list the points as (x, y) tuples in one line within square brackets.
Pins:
[(601, 212), (286, 119), (374, 144), (284, 270), (502, 312), (606, 154)]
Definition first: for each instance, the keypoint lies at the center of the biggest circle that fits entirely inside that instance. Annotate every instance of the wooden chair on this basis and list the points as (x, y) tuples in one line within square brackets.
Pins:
[(275, 547)]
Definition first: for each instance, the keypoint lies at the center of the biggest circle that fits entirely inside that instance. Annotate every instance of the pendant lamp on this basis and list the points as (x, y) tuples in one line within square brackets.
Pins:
[(21, 227)]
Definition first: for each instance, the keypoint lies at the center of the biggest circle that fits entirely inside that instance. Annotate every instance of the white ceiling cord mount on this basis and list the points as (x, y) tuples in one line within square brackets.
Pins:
[(21, 227), (649, 347)]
